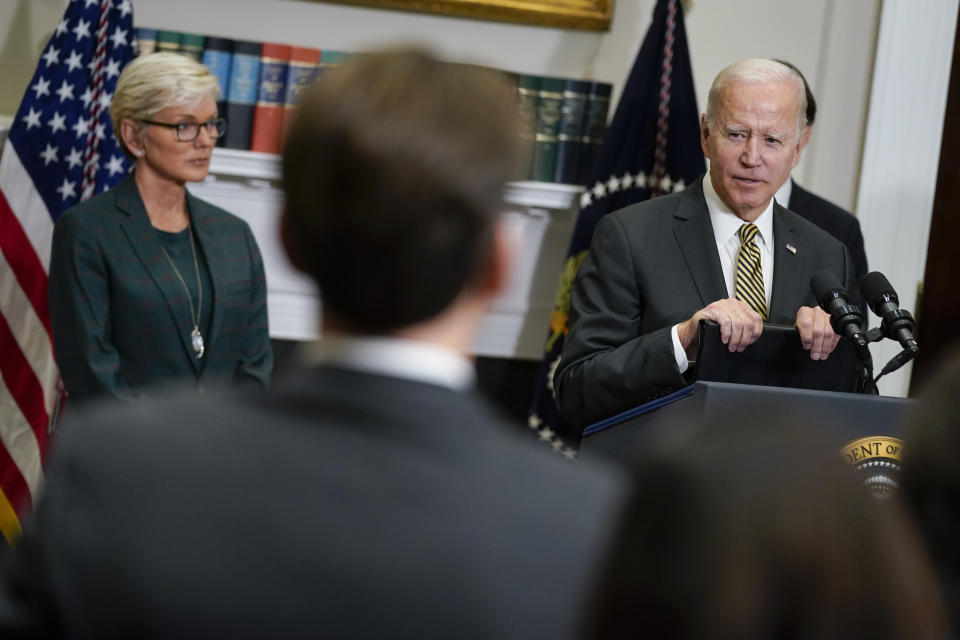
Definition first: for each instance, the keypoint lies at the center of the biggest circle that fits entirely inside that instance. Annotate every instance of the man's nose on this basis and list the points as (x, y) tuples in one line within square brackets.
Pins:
[(751, 152)]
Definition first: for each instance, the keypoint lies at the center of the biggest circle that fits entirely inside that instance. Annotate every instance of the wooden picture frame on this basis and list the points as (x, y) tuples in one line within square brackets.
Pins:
[(592, 15)]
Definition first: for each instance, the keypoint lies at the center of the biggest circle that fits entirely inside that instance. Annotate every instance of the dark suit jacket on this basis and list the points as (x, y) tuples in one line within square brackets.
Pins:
[(121, 320), (839, 223), (344, 505), (650, 266)]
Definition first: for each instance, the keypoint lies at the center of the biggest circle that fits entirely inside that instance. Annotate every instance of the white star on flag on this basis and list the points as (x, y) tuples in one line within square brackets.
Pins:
[(61, 28), (115, 165), (57, 122), (641, 180), (613, 184), (67, 189), (626, 180), (82, 30), (32, 119), (119, 37), (599, 190), (124, 8), (49, 154), (585, 200), (65, 91), (81, 127), (74, 158), (87, 97), (42, 87), (113, 68), (74, 62), (52, 56), (105, 99)]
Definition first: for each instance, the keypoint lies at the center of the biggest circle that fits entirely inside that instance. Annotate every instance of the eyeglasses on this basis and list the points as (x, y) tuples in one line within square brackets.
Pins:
[(188, 131)]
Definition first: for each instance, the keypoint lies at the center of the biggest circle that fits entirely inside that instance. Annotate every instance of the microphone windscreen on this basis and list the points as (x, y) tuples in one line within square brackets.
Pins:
[(876, 290), (826, 286)]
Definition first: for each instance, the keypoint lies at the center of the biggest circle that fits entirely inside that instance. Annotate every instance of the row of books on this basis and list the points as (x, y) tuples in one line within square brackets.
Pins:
[(564, 120), (260, 81)]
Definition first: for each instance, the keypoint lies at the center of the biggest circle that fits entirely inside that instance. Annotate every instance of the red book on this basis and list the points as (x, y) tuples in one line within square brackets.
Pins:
[(302, 72), (271, 98)]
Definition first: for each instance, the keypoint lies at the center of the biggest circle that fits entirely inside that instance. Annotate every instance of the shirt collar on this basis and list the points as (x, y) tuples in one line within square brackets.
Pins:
[(726, 223), (782, 196), (395, 357)]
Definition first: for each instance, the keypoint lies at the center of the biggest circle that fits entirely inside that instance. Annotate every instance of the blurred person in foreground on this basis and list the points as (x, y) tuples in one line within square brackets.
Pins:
[(762, 531), (375, 494), (931, 475), (149, 285)]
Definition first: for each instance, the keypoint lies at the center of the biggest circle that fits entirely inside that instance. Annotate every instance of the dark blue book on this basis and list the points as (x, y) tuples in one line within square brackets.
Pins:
[(595, 114), (570, 132), (218, 56), (242, 94), (548, 122)]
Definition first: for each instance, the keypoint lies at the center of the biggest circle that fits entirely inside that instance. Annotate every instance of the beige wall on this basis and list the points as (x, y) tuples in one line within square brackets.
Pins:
[(832, 41)]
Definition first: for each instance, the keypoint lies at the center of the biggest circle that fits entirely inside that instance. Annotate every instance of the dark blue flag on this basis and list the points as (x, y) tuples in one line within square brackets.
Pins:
[(651, 148)]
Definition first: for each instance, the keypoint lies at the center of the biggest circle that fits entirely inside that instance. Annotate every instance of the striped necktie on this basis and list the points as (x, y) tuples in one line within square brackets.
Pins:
[(749, 282)]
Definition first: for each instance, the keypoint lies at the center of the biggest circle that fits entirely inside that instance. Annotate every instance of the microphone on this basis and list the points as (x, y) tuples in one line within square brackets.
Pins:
[(845, 318), (896, 323)]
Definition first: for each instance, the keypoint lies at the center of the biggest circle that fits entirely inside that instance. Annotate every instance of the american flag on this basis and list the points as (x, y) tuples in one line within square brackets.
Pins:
[(60, 150), (651, 148)]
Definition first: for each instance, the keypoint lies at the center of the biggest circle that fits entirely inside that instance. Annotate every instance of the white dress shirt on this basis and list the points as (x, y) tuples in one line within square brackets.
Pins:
[(410, 359), (725, 225)]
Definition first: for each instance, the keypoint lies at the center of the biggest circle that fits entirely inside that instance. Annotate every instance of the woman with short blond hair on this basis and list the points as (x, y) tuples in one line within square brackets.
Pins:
[(149, 285)]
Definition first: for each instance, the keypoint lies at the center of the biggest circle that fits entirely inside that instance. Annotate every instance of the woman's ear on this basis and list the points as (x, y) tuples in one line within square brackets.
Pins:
[(130, 133)]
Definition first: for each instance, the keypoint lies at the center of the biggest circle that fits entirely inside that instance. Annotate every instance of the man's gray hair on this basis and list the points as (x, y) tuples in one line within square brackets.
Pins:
[(756, 71)]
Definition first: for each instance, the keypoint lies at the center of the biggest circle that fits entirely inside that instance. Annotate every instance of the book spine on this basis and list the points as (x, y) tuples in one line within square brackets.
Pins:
[(528, 87), (242, 94), (595, 126), (146, 41), (218, 57), (268, 113), (301, 74), (570, 132), (191, 44), (549, 99), (168, 41), (330, 59)]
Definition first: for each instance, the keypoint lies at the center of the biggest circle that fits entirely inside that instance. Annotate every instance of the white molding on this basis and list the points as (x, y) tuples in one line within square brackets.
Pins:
[(538, 216), (902, 151)]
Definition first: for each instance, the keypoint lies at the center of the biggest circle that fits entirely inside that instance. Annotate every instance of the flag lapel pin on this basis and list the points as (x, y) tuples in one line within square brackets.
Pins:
[(792, 249)]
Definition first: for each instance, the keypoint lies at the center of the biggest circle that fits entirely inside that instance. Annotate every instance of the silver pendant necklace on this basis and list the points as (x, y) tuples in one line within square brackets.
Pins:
[(196, 338)]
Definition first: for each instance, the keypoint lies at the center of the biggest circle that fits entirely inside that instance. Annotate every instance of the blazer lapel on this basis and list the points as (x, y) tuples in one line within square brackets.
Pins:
[(694, 234), (212, 252), (787, 268), (146, 245)]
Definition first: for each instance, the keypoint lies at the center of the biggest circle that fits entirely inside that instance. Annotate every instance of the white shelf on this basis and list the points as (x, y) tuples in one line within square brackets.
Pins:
[(539, 215)]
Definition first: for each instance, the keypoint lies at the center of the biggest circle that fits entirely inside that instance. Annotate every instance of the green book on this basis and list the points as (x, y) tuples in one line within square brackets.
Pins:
[(549, 100), (168, 41), (191, 44), (570, 132), (528, 87)]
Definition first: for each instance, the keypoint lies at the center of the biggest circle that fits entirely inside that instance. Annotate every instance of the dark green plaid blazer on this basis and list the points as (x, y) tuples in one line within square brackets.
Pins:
[(121, 323)]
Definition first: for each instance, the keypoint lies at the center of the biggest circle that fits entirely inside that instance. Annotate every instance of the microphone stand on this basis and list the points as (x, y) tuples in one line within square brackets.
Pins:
[(865, 382)]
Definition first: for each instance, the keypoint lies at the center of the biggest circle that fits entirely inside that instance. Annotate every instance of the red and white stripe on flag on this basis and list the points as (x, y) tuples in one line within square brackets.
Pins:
[(61, 123)]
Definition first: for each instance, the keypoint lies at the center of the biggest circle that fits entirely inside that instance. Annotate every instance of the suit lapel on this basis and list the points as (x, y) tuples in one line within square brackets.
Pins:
[(787, 267), (146, 245), (213, 255), (694, 234)]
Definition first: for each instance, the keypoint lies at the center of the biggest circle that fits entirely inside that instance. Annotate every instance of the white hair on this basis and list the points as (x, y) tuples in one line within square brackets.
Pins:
[(757, 71)]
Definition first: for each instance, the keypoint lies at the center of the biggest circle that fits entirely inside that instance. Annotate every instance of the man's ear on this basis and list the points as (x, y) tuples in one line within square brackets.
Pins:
[(801, 144), (291, 246), (704, 133), (495, 273)]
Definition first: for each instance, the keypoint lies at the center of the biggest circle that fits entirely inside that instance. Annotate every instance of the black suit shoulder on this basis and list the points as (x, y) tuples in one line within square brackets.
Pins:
[(835, 220)]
